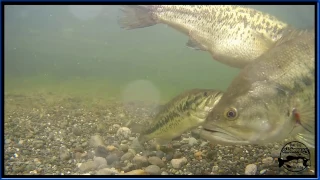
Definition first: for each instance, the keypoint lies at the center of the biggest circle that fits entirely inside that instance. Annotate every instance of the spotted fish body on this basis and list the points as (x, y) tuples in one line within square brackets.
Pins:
[(233, 35), (271, 99), (184, 112)]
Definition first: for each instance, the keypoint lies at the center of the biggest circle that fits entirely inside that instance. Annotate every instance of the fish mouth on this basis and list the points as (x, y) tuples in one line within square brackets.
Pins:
[(220, 136)]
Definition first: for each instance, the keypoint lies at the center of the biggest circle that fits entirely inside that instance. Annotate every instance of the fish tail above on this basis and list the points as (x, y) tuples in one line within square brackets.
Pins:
[(136, 16)]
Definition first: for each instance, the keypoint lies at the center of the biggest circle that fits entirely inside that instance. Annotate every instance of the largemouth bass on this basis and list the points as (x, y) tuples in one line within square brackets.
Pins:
[(184, 112), (271, 99), (233, 35)]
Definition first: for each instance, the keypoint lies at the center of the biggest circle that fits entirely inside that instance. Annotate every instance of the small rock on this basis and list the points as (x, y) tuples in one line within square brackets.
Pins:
[(112, 158), (178, 163), (84, 144), (268, 160), (135, 144), (99, 161), (204, 144), (176, 144), (241, 158), (7, 141), (96, 141), (76, 131), (110, 148), (123, 133), (215, 169), (101, 151), (140, 161), (128, 167), (177, 155), (136, 172), (116, 126), (251, 169), (237, 150), (198, 155), (87, 166), (124, 147), (193, 141), (164, 173), (156, 161), (160, 154), (132, 151), (263, 171), (78, 149), (107, 171), (275, 153), (38, 144), (77, 155), (153, 170), (169, 156), (64, 154), (127, 156)]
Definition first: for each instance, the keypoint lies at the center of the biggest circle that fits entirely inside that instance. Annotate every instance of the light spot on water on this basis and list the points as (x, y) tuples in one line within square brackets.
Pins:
[(85, 12), (142, 91)]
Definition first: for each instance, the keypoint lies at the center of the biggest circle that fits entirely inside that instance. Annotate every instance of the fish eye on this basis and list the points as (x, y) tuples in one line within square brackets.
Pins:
[(231, 113)]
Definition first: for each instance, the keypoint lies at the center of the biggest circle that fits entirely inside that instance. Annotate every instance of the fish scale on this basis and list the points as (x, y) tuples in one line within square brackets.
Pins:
[(272, 98), (184, 112), (233, 35)]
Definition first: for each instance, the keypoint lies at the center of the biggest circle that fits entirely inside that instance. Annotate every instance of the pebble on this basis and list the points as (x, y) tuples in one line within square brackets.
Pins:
[(215, 169), (136, 172), (76, 131), (127, 156), (87, 166), (110, 148), (268, 160), (263, 171), (84, 144), (107, 171), (140, 161), (156, 161), (176, 144), (237, 150), (78, 149), (178, 163), (7, 141), (112, 158), (96, 141), (128, 167), (101, 151), (64, 154), (251, 169), (99, 161), (177, 155), (124, 147), (160, 154), (192, 141), (136, 145), (164, 173), (153, 170), (123, 133), (275, 153), (204, 144), (198, 155)]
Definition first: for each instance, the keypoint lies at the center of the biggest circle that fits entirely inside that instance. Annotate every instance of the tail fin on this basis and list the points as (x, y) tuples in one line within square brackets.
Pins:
[(136, 16)]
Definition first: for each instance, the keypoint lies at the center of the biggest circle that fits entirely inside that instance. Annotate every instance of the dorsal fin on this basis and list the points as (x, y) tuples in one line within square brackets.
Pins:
[(291, 33)]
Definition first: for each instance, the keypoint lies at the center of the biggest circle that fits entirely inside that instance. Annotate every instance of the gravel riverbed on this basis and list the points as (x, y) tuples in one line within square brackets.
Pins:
[(46, 134)]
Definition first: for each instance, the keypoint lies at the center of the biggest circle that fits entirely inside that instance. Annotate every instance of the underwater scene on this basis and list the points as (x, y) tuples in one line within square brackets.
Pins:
[(159, 90)]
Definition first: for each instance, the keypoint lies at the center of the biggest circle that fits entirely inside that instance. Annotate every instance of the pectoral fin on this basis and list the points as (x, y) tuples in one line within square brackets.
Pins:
[(194, 45)]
